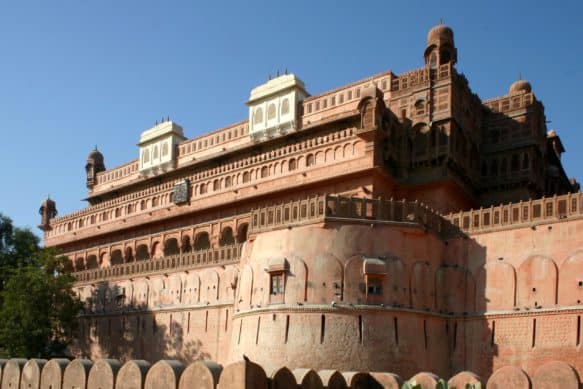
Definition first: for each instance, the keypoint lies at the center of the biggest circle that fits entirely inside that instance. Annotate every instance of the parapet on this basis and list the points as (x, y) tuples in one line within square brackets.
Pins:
[(245, 374)]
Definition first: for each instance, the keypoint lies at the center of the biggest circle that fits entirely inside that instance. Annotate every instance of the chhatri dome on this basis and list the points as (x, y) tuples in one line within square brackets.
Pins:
[(519, 87), (440, 34)]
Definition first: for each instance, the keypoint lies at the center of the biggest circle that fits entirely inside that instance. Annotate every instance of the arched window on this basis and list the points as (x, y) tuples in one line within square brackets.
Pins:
[(310, 160), (271, 111), (227, 182), (216, 185), (258, 118), (143, 205), (227, 237), (164, 149), (117, 212), (264, 172), (142, 253), (285, 107), (433, 60), (242, 233), (202, 188), (202, 241), (292, 164), (155, 152), (92, 219), (80, 223), (155, 201), (171, 247), (130, 209), (246, 177), (186, 247), (145, 156)]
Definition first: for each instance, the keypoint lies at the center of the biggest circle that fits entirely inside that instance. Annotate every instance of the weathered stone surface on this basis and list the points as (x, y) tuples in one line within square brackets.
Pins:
[(425, 379), (31, 372), (132, 375), (103, 374), (308, 379), (164, 374), (200, 375), (461, 379), (283, 378), (76, 374), (508, 377), (52, 373), (555, 374), (387, 380), (243, 374), (332, 379), (11, 373)]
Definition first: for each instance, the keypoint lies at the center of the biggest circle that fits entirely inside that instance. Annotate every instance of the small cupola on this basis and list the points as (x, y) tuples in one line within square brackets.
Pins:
[(440, 47), (520, 87), (47, 211), (94, 165)]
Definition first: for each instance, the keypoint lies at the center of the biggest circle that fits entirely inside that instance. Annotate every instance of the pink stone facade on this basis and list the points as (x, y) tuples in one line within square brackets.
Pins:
[(348, 245)]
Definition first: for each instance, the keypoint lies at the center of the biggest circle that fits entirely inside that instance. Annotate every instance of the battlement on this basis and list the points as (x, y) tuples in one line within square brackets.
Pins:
[(245, 374)]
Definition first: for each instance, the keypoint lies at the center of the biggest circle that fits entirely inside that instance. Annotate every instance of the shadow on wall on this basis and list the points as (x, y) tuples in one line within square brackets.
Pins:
[(112, 326)]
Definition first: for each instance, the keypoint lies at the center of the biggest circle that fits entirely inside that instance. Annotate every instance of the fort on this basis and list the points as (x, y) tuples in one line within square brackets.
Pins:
[(396, 224)]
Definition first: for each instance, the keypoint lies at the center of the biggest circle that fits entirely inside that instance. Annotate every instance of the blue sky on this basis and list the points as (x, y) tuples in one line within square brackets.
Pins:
[(75, 74)]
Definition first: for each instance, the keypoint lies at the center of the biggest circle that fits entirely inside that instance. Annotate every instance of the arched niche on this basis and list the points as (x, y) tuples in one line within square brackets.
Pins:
[(141, 294), (191, 289), (210, 286), (245, 289), (537, 282), (451, 288), (422, 290), (354, 283), (228, 284), (495, 287), (571, 280), (396, 285), (174, 289), (296, 281), (327, 279)]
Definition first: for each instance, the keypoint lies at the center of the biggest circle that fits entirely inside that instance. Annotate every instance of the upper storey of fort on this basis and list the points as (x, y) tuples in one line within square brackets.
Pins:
[(422, 135)]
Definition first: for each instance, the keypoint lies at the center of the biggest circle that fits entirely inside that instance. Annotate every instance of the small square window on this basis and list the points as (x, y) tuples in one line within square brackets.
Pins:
[(277, 284)]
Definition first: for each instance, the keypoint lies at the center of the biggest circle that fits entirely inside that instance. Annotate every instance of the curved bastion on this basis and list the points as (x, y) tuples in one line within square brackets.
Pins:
[(344, 298)]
